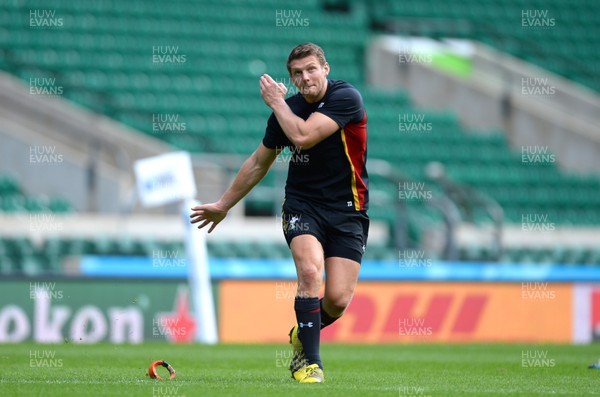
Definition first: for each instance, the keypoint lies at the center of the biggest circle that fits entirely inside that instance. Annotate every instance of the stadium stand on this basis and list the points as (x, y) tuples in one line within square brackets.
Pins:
[(194, 67), (22, 256), (559, 35), (13, 199)]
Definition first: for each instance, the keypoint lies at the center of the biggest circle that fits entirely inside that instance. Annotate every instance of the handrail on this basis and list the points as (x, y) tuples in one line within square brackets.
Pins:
[(442, 203), (435, 171)]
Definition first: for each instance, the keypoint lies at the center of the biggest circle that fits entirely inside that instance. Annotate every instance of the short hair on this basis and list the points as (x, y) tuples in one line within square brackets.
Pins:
[(306, 50)]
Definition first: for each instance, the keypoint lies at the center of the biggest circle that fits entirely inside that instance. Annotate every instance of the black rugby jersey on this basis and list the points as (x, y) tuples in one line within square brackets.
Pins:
[(332, 173)]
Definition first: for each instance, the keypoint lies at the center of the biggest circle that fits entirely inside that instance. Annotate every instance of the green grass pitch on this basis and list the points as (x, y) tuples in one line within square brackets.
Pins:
[(260, 370)]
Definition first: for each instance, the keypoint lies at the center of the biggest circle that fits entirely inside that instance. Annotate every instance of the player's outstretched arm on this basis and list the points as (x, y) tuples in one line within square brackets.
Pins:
[(252, 171), (303, 134)]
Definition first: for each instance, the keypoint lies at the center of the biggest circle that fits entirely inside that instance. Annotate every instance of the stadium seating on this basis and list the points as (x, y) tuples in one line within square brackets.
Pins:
[(21, 255), (104, 57), (13, 199), (559, 35)]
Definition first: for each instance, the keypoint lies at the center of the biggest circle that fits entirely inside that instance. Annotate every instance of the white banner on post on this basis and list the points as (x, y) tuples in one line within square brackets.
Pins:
[(199, 278), (165, 179)]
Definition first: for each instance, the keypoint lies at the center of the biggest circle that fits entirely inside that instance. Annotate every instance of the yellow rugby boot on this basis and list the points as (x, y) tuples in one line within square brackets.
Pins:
[(297, 360), (310, 374)]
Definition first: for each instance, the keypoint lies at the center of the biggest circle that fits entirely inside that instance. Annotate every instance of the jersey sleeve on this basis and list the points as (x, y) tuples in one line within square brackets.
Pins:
[(344, 106), (274, 136)]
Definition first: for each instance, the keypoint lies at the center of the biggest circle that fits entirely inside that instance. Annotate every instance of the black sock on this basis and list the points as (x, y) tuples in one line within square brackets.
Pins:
[(326, 319), (308, 315)]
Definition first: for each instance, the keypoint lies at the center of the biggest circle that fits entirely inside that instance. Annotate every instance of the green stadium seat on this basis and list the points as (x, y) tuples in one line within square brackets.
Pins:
[(59, 205), (7, 265), (8, 186), (219, 249), (30, 266)]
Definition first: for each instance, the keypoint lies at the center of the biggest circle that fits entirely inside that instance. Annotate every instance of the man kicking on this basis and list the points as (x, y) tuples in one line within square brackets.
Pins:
[(324, 216)]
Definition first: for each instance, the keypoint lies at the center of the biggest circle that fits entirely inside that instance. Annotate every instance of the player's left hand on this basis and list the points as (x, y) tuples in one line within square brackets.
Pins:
[(271, 91)]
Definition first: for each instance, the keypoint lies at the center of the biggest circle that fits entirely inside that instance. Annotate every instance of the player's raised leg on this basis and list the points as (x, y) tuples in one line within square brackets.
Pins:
[(340, 282), (308, 258)]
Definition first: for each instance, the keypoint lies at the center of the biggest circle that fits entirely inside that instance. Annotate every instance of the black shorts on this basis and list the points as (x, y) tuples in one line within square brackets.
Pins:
[(341, 233)]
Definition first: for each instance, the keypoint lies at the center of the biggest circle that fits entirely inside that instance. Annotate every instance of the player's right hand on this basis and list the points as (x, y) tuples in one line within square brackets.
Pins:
[(207, 214)]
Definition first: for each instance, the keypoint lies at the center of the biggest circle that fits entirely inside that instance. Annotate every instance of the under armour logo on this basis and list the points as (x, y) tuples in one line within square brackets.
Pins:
[(309, 324), (321, 105)]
